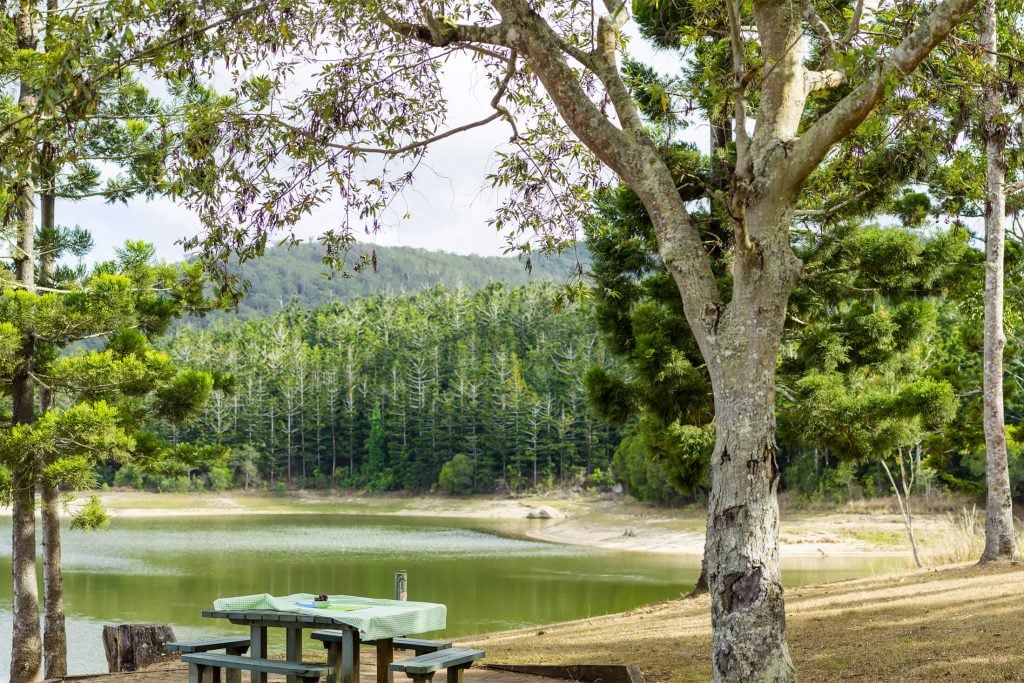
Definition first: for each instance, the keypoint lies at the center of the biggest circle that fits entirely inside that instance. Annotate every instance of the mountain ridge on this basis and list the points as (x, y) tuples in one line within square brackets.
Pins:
[(295, 275)]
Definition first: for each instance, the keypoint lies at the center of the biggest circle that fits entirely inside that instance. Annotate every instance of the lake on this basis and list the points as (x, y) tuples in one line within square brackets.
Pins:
[(168, 570)]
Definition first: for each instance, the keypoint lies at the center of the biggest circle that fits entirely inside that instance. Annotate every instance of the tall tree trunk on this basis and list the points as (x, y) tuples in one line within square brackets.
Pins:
[(26, 651), (55, 641), (742, 548), (1000, 543), (747, 611)]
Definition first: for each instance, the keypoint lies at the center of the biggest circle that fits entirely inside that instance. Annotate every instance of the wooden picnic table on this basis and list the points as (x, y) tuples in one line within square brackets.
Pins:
[(294, 623)]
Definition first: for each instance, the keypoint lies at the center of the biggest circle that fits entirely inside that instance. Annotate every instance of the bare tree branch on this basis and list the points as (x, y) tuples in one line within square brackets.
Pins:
[(500, 112), (823, 80), (851, 33), (820, 28), (743, 163)]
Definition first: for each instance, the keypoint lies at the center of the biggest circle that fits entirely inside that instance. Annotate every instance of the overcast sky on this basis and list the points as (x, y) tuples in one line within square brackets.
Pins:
[(450, 203)]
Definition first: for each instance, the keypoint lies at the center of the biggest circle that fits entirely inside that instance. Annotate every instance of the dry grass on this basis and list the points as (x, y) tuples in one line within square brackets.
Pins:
[(960, 623), (934, 503)]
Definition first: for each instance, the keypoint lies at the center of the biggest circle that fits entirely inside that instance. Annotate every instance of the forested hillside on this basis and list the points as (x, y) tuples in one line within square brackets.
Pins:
[(385, 390), (296, 274)]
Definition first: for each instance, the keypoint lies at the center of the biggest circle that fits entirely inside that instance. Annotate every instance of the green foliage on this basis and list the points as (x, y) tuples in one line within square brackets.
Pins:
[(91, 516), (456, 476), (382, 391), (813, 478), (103, 393), (643, 477), (862, 420), (184, 396)]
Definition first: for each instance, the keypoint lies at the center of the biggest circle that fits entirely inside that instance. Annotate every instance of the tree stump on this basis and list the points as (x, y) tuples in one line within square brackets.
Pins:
[(130, 647)]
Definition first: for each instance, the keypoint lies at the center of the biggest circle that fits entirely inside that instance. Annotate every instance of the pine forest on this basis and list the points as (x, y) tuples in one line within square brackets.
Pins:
[(381, 392)]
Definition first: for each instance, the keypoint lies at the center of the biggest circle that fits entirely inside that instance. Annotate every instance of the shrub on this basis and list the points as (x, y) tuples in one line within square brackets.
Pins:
[(457, 475)]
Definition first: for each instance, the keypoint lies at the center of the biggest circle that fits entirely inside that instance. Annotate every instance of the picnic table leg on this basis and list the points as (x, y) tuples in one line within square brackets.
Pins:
[(234, 675), (334, 659), (258, 648), (385, 655), (202, 673), (293, 648), (349, 657), (454, 674)]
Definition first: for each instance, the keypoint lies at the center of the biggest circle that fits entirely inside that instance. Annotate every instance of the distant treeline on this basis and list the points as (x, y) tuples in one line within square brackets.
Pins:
[(382, 392), (296, 275)]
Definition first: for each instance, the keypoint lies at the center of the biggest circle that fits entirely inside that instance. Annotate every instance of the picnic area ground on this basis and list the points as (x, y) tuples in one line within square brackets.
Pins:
[(949, 622), (954, 623)]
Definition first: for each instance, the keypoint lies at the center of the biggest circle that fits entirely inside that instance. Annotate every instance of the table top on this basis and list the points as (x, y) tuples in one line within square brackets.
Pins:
[(374, 618)]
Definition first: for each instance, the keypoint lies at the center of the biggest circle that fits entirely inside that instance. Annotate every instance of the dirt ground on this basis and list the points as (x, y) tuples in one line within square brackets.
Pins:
[(961, 623), (178, 673)]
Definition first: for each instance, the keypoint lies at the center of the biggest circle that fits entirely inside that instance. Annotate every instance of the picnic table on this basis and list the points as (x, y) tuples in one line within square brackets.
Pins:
[(358, 618)]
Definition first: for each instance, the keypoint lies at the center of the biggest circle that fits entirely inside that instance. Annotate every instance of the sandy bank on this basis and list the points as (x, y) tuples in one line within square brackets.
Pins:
[(600, 522)]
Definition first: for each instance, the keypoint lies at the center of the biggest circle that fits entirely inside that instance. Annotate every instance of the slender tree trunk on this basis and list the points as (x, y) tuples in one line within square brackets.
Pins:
[(55, 641), (904, 503), (26, 646), (701, 587), (1000, 543)]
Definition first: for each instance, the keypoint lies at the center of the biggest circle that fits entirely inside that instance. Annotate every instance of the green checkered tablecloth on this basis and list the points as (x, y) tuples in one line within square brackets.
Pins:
[(374, 618)]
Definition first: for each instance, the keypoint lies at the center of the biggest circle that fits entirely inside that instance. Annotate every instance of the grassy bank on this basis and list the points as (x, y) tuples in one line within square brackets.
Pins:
[(960, 623)]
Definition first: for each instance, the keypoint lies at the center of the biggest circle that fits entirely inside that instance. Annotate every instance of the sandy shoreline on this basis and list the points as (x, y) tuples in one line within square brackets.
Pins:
[(613, 523)]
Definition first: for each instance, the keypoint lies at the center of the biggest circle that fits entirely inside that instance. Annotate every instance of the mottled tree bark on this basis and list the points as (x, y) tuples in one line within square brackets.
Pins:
[(1000, 542), (55, 640), (26, 645)]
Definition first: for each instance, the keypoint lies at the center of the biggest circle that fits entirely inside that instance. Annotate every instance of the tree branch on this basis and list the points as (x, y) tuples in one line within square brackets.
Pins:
[(829, 210), (632, 155), (500, 112), (823, 80), (744, 167), (851, 33), (851, 111), (439, 34), (820, 28)]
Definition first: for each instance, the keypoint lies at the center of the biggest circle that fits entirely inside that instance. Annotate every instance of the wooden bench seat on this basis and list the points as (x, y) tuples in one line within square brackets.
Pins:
[(233, 645), (202, 664), (417, 645), (455, 660)]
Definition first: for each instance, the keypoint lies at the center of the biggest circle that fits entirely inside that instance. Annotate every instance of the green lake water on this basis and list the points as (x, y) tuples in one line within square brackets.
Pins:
[(168, 570)]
